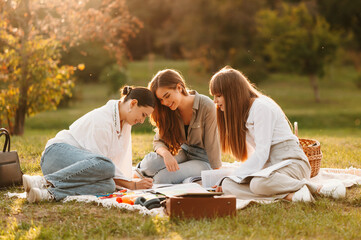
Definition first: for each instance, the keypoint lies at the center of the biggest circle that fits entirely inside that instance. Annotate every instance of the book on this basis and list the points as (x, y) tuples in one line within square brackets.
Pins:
[(266, 172), (210, 178), (179, 189)]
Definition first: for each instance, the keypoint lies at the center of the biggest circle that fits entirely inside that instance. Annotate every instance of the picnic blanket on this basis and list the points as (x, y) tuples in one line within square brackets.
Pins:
[(349, 177)]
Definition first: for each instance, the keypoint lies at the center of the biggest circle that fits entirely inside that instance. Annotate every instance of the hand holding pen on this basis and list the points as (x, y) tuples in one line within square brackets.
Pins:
[(144, 183)]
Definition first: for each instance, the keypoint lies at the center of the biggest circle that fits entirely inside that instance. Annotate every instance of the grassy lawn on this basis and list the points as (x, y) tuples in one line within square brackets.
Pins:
[(335, 123)]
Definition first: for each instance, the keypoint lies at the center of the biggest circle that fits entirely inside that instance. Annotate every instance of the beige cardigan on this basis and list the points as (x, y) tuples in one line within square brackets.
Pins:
[(202, 130)]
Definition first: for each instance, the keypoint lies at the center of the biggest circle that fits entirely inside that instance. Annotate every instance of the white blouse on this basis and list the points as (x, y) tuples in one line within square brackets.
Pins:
[(98, 131), (267, 126)]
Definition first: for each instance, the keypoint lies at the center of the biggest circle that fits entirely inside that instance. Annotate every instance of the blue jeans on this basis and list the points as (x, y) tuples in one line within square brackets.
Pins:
[(191, 161), (73, 171)]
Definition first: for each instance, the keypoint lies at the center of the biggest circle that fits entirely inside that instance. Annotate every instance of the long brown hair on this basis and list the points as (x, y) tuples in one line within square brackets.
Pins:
[(239, 95), (166, 120)]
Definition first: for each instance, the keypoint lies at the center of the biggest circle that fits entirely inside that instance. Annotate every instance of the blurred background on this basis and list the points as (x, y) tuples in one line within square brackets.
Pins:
[(73, 56)]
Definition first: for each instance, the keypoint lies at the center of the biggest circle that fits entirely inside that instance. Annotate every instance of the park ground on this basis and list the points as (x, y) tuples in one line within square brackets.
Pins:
[(335, 122)]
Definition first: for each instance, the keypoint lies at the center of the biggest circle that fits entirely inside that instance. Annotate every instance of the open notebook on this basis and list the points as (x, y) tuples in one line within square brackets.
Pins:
[(210, 178)]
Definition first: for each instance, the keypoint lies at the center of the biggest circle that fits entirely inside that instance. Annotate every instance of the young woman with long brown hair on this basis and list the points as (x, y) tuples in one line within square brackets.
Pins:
[(255, 130), (186, 141)]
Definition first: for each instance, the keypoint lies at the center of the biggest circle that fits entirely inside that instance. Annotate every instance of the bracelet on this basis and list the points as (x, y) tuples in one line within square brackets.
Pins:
[(135, 185)]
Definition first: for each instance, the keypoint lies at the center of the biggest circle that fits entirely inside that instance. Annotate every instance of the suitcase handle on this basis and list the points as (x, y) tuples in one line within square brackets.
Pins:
[(7, 139)]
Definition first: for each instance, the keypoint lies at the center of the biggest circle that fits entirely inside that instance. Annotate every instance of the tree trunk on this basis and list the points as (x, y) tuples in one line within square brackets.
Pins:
[(313, 80), (356, 57), (23, 18), (21, 111)]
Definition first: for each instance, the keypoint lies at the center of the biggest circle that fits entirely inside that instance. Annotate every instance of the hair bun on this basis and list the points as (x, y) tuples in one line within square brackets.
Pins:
[(126, 90)]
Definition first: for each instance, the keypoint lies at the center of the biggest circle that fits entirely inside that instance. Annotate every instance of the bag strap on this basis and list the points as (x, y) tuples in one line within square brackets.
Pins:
[(7, 139)]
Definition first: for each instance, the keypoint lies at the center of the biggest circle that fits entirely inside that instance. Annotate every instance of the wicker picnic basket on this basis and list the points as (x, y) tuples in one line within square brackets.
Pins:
[(312, 149)]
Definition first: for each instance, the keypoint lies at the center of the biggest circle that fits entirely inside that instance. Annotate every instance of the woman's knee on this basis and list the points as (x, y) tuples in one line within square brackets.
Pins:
[(151, 159), (151, 164), (107, 167), (228, 186), (164, 176), (260, 186), (159, 179)]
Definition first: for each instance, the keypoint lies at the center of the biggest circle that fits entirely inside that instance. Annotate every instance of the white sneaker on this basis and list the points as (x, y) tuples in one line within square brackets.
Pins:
[(303, 195), (37, 194), (34, 182), (335, 189)]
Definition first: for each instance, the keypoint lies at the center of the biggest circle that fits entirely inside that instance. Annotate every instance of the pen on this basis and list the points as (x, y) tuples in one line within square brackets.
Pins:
[(139, 173)]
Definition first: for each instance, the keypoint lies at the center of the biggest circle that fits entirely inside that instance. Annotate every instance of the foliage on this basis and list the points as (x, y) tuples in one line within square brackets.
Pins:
[(210, 32), (155, 15), (106, 21), (214, 33), (217, 33), (343, 15), (115, 77), (346, 16), (49, 82), (41, 27), (297, 41), (94, 57)]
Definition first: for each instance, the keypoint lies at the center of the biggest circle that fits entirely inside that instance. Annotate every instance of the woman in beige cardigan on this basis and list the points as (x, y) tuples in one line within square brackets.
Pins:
[(186, 141)]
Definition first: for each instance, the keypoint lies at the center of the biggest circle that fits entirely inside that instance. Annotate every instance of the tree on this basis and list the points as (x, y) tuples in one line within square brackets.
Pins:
[(294, 40), (212, 33), (32, 32), (92, 55), (45, 82), (345, 15), (155, 15), (215, 32)]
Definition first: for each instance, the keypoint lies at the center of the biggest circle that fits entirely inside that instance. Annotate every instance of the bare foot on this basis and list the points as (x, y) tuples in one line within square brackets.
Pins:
[(289, 197)]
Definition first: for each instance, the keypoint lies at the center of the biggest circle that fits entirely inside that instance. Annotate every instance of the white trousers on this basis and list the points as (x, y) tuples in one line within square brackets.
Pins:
[(281, 182)]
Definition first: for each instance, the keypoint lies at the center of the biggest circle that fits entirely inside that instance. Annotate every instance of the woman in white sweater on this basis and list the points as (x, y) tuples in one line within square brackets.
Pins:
[(95, 153), (254, 129)]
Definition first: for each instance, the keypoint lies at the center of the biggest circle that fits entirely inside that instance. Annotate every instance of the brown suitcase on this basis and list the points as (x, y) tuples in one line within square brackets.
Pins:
[(197, 207)]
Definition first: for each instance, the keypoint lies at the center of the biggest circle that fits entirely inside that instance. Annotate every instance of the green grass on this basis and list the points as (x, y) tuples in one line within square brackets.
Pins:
[(334, 122), (324, 219)]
